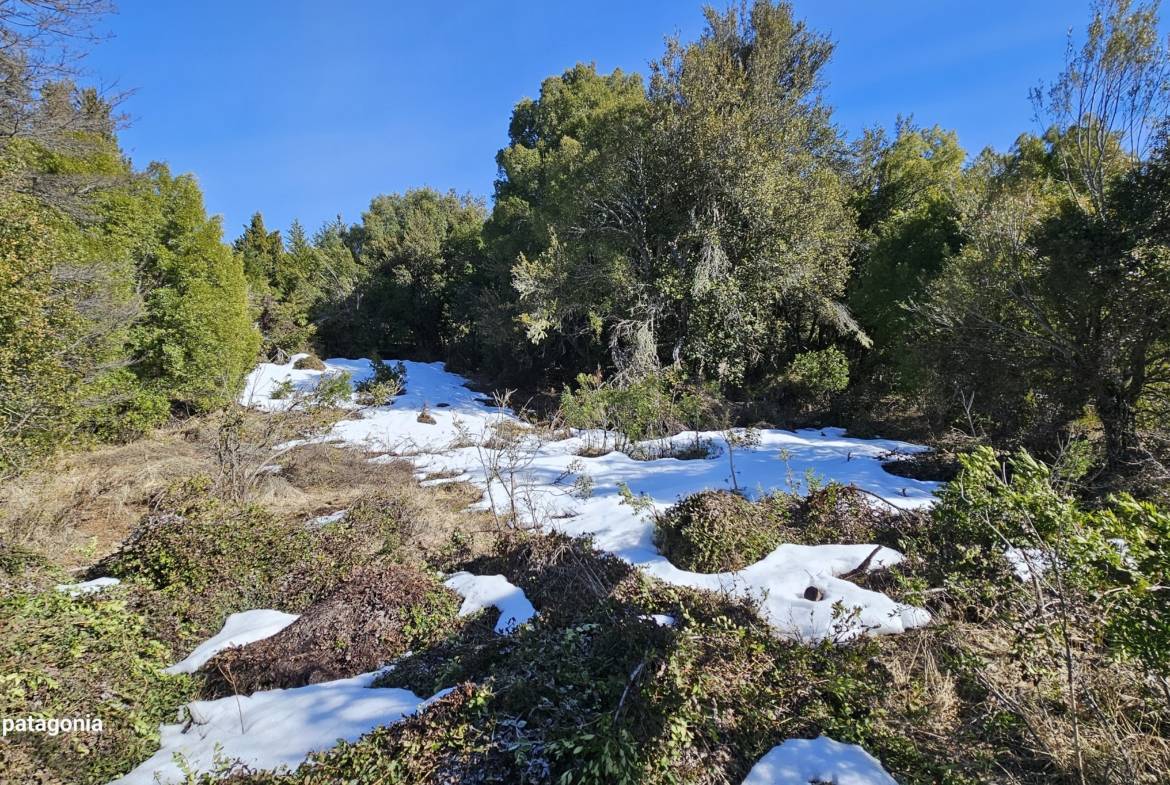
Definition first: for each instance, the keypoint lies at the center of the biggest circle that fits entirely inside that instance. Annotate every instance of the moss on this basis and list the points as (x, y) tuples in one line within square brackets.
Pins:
[(83, 657)]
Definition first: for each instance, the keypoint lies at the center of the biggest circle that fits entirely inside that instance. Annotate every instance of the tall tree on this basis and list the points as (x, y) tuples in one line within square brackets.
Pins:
[(1067, 264)]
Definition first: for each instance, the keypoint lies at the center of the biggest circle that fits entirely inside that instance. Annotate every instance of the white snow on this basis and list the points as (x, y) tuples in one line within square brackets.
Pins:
[(274, 728), (238, 630), (482, 591), (87, 587), (801, 761), (325, 520), (538, 486), (1028, 563)]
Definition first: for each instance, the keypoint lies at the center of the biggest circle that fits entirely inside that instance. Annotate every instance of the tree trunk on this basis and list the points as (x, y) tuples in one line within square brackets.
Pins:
[(1118, 415)]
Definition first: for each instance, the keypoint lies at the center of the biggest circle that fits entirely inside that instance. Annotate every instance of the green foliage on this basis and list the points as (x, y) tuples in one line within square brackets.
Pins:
[(82, 657), (1111, 563), (718, 531), (908, 212), (333, 388), (283, 285), (699, 220), (386, 382), (1061, 293), (414, 253), (195, 341), (656, 406), (816, 374)]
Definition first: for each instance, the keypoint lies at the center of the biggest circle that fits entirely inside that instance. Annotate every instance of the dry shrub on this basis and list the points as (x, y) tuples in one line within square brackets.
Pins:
[(842, 514), (196, 560), (322, 467), (309, 363), (381, 612), (563, 577), (466, 654)]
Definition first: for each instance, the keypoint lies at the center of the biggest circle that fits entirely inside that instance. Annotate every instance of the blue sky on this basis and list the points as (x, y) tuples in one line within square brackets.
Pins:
[(305, 109)]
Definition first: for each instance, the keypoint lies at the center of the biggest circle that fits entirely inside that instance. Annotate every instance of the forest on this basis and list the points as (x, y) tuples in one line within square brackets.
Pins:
[(691, 264)]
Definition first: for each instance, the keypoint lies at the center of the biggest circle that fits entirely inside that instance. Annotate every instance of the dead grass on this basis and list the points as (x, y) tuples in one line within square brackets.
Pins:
[(83, 506)]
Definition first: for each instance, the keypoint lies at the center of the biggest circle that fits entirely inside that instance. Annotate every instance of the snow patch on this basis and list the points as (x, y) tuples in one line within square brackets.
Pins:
[(275, 728), (481, 591), (801, 761), (238, 630), (325, 520), (1029, 564), (87, 587)]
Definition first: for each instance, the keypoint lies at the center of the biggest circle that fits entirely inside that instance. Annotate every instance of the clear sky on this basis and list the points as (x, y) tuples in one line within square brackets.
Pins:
[(306, 109)]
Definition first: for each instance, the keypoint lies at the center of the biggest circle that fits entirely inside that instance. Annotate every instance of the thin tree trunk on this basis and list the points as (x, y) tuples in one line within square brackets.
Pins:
[(1118, 415)]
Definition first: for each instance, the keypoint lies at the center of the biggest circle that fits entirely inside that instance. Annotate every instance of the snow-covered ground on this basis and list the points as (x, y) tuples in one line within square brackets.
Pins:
[(801, 761), (273, 728), (550, 484), (484, 591)]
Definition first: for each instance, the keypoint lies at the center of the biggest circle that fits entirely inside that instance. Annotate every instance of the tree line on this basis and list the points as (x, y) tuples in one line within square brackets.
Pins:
[(706, 224)]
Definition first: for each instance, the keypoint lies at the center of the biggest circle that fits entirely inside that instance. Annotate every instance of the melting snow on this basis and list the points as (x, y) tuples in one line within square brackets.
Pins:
[(238, 630), (87, 587), (540, 488), (325, 520), (481, 591), (801, 761), (550, 484), (274, 728)]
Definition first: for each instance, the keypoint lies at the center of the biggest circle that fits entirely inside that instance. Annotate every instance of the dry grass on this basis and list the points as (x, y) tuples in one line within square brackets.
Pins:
[(83, 506)]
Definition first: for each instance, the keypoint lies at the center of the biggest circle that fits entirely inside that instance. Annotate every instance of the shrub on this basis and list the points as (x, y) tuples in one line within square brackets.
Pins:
[(563, 577), (283, 389), (202, 560), (379, 613), (656, 406), (82, 657), (310, 362), (333, 389), (842, 514), (718, 531), (815, 375), (386, 382)]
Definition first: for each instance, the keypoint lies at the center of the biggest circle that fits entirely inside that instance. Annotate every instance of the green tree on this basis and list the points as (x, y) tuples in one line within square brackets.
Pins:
[(1062, 291), (909, 217), (413, 251), (704, 221), (195, 341)]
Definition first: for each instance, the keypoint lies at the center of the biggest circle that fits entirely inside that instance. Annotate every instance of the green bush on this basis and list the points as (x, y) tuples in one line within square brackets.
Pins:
[(1112, 563), (815, 375), (654, 407), (333, 389), (83, 657), (310, 362), (386, 382), (718, 531)]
